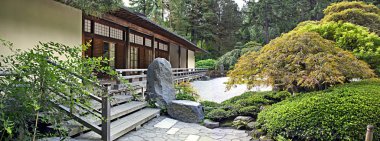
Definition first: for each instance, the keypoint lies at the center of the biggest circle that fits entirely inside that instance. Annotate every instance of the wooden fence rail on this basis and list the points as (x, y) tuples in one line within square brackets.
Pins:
[(137, 77)]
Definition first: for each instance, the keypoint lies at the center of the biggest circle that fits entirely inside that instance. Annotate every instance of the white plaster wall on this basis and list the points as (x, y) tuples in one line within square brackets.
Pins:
[(26, 22), (191, 59)]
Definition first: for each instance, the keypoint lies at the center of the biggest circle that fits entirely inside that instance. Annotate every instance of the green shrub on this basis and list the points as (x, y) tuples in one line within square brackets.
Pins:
[(217, 114), (210, 104), (26, 96), (341, 6), (247, 104), (186, 92), (358, 13), (182, 96), (229, 59), (364, 44), (278, 96), (298, 62), (248, 111), (208, 63), (339, 113)]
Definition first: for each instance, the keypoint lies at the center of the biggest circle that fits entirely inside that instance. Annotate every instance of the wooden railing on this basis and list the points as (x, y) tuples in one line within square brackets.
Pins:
[(137, 77), (103, 97)]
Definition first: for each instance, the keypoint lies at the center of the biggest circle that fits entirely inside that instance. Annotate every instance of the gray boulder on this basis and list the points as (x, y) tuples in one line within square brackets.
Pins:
[(160, 87), (211, 124), (246, 119), (252, 125), (186, 111)]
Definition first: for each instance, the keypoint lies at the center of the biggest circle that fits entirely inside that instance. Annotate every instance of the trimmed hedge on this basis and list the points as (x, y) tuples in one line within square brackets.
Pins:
[(339, 113), (208, 63), (247, 104)]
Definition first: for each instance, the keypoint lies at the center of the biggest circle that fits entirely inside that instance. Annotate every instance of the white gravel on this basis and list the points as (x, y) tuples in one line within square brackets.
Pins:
[(215, 89)]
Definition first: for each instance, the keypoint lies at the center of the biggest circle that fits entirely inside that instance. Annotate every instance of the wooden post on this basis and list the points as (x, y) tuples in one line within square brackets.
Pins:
[(369, 134), (106, 110)]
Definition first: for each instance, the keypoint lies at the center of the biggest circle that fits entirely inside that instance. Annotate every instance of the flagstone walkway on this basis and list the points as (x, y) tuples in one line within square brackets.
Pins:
[(166, 129)]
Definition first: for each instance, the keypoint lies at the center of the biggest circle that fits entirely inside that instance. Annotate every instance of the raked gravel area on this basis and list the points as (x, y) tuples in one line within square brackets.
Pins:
[(215, 89)]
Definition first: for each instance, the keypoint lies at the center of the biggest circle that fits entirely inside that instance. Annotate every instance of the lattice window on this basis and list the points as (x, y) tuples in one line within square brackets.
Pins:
[(155, 44), (131, 38), (165, 47), (161, 46), (139, 40), (87, 25), (148, 42), (101, 29), (116, 33)]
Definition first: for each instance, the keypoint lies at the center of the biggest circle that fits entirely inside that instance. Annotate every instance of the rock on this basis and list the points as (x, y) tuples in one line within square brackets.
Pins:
[(243, 118), (160, 87), (185, 110), (256, 133), (205, 78), (264, 138), (211, 124), (252, 125)]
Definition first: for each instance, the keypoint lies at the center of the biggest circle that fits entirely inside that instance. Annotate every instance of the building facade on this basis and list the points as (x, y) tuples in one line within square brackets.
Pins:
[(134, 41), (129, 38)]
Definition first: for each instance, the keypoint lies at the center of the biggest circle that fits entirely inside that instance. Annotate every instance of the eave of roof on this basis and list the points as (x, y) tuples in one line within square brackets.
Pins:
[(143, 21)]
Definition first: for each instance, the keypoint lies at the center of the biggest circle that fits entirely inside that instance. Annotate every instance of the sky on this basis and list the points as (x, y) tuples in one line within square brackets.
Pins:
[(239, 2)]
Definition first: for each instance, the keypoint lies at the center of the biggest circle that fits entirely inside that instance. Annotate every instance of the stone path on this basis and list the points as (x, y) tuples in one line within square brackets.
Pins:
[(215, 89), (172, 130)]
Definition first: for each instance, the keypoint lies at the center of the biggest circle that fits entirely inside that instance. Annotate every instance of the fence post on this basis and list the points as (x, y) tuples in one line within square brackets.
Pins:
[(369, 134), (106, 110)]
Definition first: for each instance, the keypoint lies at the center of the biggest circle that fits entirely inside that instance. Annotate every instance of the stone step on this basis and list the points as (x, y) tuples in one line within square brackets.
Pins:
[(116, 112), (124, 125)]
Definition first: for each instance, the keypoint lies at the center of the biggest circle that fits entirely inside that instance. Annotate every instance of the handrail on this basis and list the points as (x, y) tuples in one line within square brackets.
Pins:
[(104, 130), (179, 74), (76, 75), (88, 109)]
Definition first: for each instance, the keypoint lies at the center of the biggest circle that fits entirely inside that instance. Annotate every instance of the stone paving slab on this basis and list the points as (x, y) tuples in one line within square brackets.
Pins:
[(166, 123), (182, 131)]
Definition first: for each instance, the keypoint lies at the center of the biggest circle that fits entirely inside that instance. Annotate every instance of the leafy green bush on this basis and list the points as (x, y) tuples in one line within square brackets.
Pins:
[(208, 63), (339, 113), (249, 111), (341, 6), (182, 96), (358, 13), (31, 89), (247, 104), (209, 104), (298, 61), (364, 44), (186, 92), (229, 59), (217, 114)]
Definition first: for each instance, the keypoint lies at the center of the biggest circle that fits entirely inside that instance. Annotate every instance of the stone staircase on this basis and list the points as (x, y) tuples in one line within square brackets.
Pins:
[(126, 114)]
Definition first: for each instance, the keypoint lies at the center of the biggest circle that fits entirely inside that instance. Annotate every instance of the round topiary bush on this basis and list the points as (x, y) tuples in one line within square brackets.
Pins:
[(339, 113)]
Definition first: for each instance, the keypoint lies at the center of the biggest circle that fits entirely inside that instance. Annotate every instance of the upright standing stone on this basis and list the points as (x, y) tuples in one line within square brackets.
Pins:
[(160, 87)]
